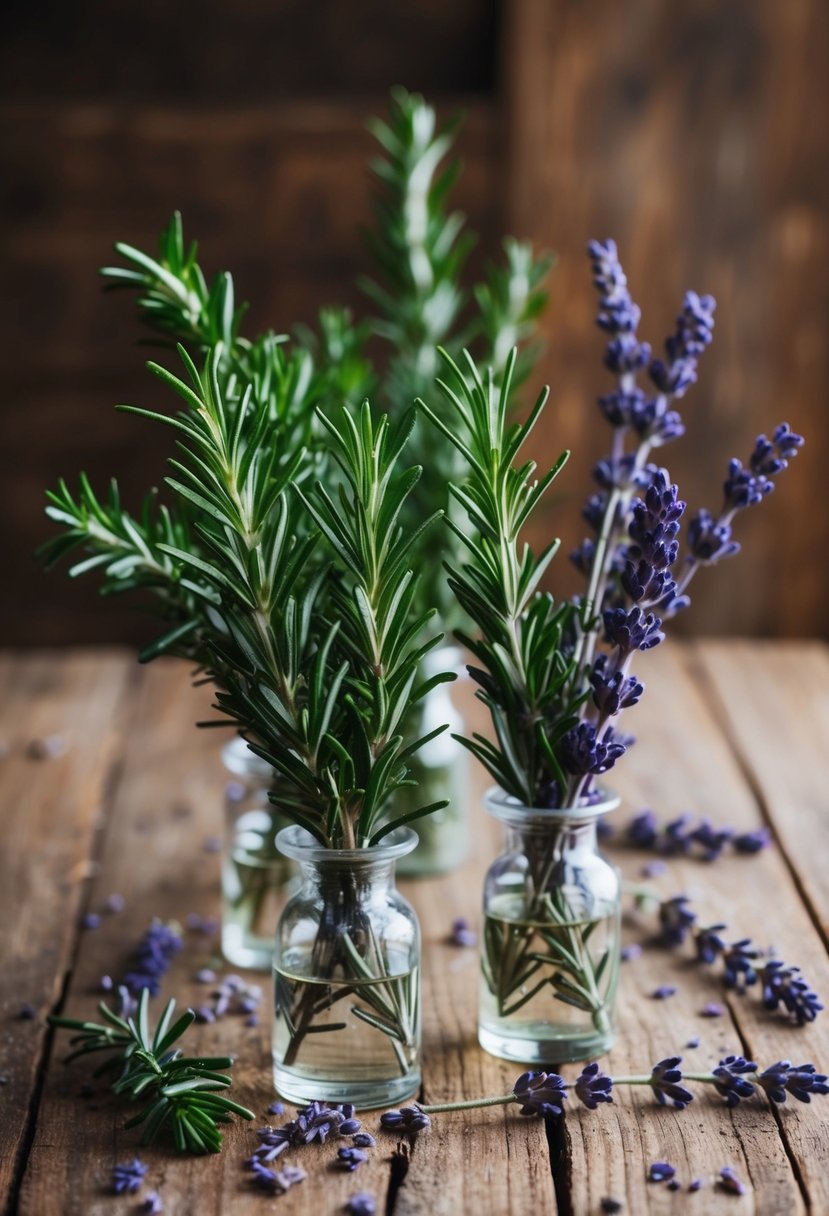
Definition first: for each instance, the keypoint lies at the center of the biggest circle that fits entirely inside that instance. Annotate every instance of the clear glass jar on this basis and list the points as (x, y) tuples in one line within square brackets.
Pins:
[(550, 944), (441, 770), (255, 875), (347, 977)]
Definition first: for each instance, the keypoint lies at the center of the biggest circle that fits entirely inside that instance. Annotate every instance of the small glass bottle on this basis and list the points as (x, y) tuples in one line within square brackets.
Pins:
[(255, 875), (441, 770), (347, 977), (550, 944)]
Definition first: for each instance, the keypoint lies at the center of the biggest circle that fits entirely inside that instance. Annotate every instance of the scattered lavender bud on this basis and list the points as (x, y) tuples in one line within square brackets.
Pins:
[(276, 1108), (152, 958), (708, 943), (235, 792), (26, 1013), (252, 1020), (90, 920), (694, 1042), (628, 953), (127, 1176), (212, 844), (114, 903), (205, 1014), (696, 1185), (752, 842), (674, 1185), (47, 748), (361, 1204), (653, 869), (210, 926), (783, 985), (206, 975), (611, 1205), (663, 992), (641, 831), (711, 840), (106, 984), (661, 1171), (462, 934), (351, 1158), (712, 1010), (738, 959), (675, 839), (605, 830), (730, 1182), (363, 1140), (276, 1181), (152, 1204)]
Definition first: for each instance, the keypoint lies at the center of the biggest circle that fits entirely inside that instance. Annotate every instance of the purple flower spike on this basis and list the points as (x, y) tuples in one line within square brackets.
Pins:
[(128, 1176), (730, 1182), (351, 1158), (731, 1083), (709, 944), (738, 960), (800, 1080), (361, 1204), (661, 1171), (540, 1093), (665, 1082), (593, 1086)]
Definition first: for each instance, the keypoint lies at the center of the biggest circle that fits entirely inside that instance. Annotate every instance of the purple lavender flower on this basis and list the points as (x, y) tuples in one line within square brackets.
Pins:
[(462, 934), (709, 539), (738, 960), (730, 1182), (663, 992), (152, 958), (582, 751), (361, 1204), (128, 1176), (277, 1182), (593, 1086), (752, 842), (661, 1171), (642, 829), (665, 1082), (362, 1140), (628, 953), (276, 1108), (612, 689), (731, 1082), (676, 920), (115, 903), (711, 840), (709, 945), (800, 1080), (712, 1010), (153, 1204), (783, 985), (696, 1185), (408, 1119), (205, 975), (351, 1158), (675, 838), (694, 328), (106, 984), (693, 1042), (632, 629), (540, 1093)]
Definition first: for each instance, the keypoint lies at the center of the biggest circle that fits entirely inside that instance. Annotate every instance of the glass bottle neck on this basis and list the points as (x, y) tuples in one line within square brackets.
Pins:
[(562, 837)]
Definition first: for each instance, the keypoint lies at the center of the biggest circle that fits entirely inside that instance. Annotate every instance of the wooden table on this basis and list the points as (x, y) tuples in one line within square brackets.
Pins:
[(737, 731)]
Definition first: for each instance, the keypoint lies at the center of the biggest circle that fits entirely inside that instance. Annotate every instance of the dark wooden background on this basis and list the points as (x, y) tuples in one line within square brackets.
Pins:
[(696, 134)]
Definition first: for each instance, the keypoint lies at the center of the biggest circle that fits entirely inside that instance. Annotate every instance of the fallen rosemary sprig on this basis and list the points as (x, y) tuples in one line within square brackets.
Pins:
[(179, 1092)]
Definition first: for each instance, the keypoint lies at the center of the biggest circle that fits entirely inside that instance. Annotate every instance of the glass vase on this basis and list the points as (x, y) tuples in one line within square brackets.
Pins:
[(255, 875), (550, 944), (346, 977), (441, 770)]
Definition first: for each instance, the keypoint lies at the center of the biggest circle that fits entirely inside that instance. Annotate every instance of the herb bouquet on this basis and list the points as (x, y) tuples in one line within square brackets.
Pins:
[(556, 677), (302, 609)]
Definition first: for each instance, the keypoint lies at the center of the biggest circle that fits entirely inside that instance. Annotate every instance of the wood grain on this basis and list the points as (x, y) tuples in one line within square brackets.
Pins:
[(165, 800)]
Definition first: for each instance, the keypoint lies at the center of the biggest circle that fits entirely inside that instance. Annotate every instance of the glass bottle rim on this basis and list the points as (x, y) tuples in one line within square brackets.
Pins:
[(298, 844), (512, 811)]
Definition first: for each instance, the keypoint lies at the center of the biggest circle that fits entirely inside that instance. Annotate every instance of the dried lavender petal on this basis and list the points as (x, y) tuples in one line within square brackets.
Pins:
[(361, 1204), (128, 1176), (660, 1171), (730, 1182), (663, 992), (462, 934)]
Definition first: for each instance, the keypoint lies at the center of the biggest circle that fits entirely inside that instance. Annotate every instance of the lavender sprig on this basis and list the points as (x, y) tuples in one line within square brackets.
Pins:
[(734, 1078)]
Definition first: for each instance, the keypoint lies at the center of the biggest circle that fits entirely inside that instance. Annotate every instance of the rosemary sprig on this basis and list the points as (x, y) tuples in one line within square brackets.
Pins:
[(180, 1094)]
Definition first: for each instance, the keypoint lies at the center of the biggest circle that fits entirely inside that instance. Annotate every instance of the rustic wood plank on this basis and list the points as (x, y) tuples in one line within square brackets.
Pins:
[(773, 702), (51, 809), (684, 763)]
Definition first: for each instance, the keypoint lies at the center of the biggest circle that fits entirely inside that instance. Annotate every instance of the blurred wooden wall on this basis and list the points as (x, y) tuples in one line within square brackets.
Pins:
[(694, 134)]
